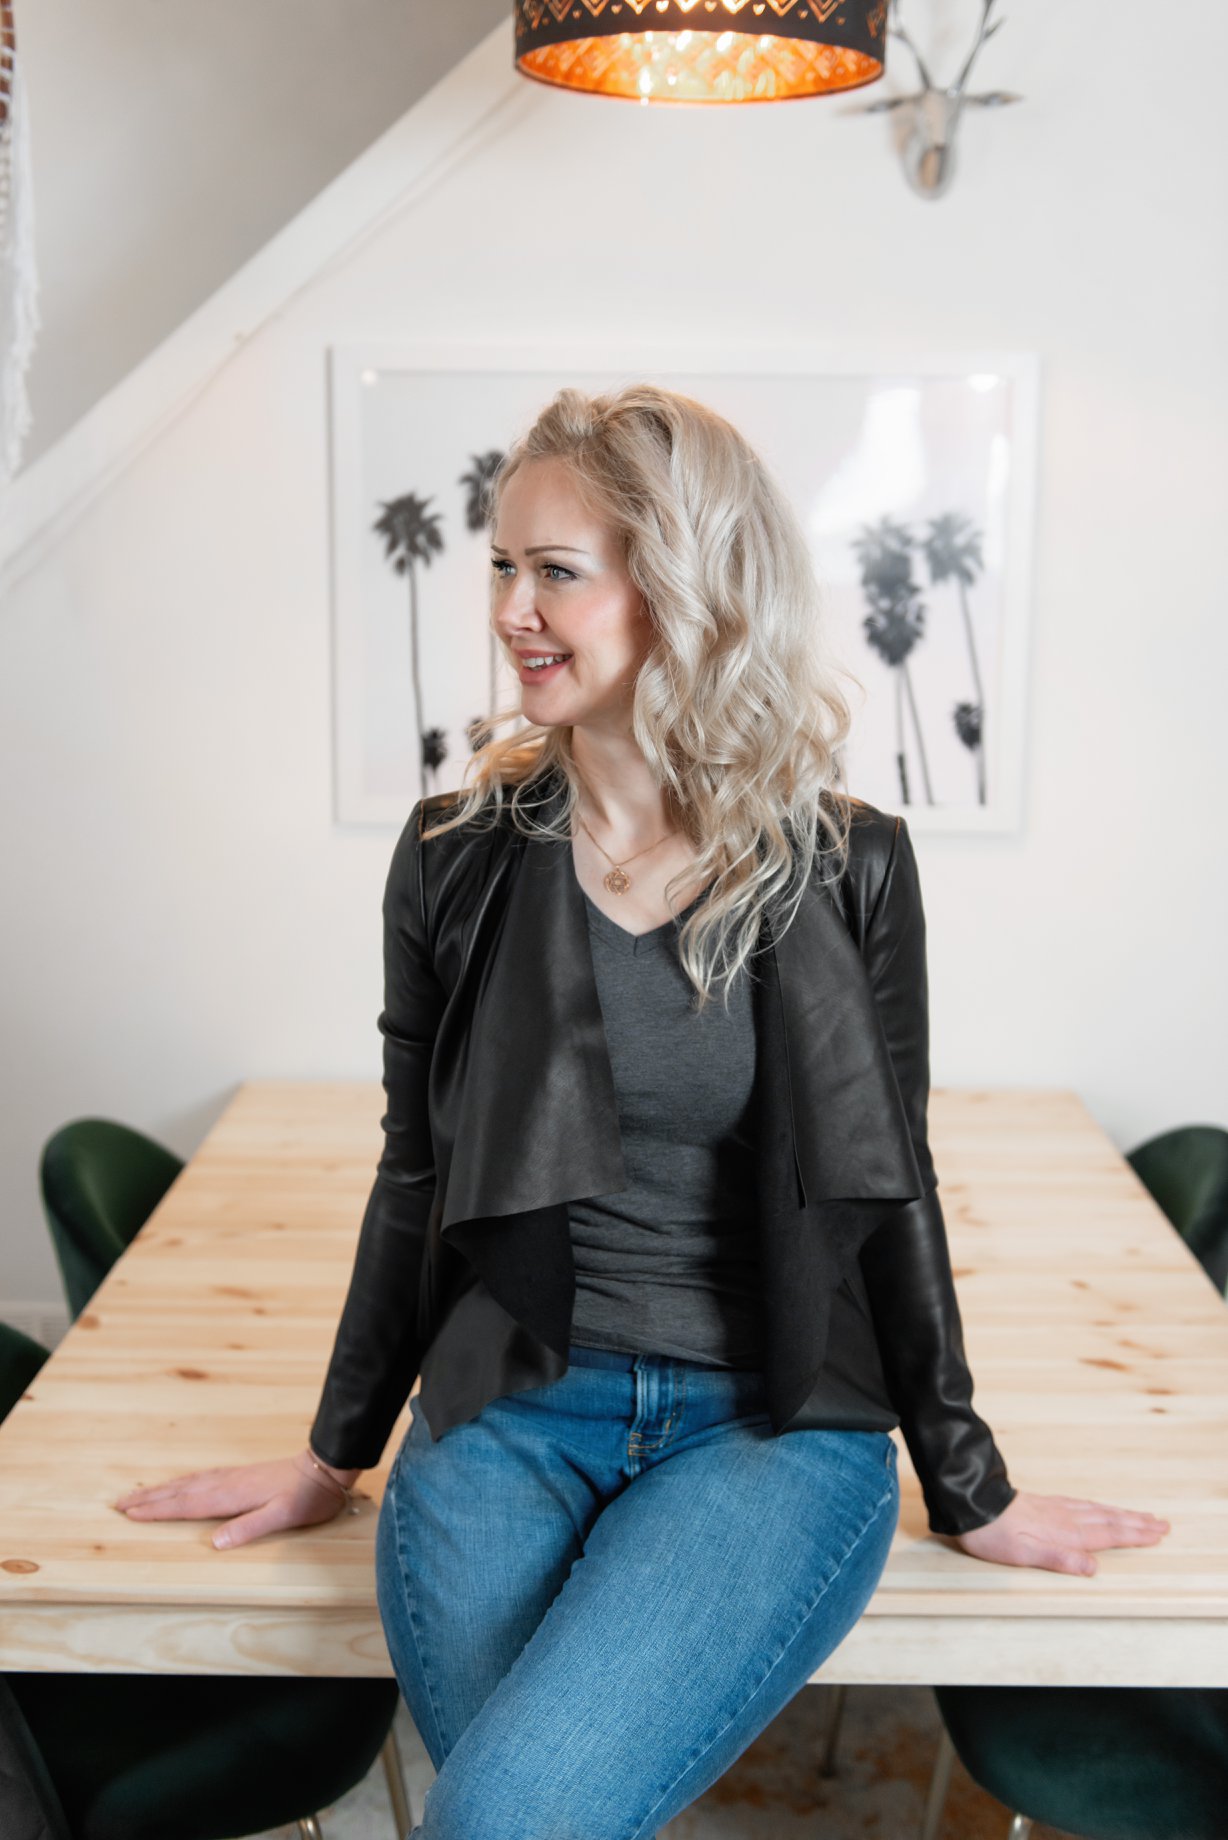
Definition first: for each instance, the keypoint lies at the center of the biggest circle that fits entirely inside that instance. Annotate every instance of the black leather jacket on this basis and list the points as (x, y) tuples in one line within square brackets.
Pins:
[(501, 1109)]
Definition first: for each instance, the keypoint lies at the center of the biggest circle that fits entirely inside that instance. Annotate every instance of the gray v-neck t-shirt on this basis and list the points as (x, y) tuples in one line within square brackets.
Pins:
[(669, 1264)]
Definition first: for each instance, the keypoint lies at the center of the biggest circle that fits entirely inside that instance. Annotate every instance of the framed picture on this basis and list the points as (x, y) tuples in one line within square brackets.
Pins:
[(913, 477)]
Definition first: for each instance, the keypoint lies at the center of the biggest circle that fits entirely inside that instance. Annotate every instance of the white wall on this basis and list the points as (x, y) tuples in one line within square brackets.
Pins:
[(170, 141), (181, 914)]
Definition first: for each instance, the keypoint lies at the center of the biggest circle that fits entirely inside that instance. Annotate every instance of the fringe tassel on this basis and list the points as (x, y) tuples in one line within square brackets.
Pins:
[(19, 314)]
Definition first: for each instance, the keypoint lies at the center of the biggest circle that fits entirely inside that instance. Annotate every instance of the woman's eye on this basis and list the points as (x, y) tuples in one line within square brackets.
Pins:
[(501, 562)]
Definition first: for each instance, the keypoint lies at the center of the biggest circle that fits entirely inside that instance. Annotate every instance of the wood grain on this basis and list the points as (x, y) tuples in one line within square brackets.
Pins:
[(1098, 1345)]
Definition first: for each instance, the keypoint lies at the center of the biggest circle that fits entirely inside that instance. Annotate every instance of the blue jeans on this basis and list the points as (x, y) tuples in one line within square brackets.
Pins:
[(598, 1592)]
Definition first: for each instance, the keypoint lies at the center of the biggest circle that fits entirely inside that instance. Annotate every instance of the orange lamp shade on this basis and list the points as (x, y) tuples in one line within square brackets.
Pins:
[(702, 50)]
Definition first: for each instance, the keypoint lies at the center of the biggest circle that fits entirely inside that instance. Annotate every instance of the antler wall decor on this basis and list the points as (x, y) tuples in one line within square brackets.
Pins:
[(928, 149)]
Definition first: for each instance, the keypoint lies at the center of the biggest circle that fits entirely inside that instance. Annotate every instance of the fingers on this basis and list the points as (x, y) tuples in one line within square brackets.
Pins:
[(1059, 1533), (1100, 1524), (159, 1491), (1046, 1555), (1105, 1509), (1050, 1555), (176, 1505), (204, 1495), (281, 1514), (1114, 1533), (1056, 1556), (271, 1518), (251, 1499), (1067, 1559)]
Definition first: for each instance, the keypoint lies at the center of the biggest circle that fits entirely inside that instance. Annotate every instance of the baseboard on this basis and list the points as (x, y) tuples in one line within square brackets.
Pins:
[(44, 1322)]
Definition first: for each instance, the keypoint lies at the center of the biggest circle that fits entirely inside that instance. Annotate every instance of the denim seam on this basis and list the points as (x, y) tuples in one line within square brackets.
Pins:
[(642, 1443), (647, 1825), (412, 1622)]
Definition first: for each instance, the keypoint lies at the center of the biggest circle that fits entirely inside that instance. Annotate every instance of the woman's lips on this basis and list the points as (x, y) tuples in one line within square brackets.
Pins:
[(529, 675)]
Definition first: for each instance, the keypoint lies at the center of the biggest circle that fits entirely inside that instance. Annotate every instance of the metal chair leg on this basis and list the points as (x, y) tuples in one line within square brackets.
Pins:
[(940, 1782), (309, 1828), (395, 1778), (831, 1729), (1021, 1827)]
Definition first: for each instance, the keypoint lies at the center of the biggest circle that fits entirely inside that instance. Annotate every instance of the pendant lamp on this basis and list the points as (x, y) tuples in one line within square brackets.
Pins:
[(702, 50)]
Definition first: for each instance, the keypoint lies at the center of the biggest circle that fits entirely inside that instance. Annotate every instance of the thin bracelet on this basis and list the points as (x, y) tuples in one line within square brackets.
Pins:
[(352, 1506)]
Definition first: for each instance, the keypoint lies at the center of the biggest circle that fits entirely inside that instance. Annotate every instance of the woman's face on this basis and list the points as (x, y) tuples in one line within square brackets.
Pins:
[(559, 585)]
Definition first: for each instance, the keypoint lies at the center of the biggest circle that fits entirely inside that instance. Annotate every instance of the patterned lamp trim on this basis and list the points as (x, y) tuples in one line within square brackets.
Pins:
[(702, 50)]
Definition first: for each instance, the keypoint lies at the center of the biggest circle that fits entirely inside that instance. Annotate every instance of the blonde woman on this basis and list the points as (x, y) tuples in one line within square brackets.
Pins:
[(655, 1224)]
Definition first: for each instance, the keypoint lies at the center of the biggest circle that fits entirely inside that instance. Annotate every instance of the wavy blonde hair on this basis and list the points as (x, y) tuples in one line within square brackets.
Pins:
[(736, 706)]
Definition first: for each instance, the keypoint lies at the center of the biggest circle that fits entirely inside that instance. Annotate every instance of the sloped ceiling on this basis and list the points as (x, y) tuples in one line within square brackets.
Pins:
[(171, 140)]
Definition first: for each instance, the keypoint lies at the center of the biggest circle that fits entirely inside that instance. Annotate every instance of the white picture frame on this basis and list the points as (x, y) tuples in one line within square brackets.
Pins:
[(854, 438)]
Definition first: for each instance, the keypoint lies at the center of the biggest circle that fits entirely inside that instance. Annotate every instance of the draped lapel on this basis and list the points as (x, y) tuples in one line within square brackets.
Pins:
[(834, 1146), (536, 1109), (849, 1124), (538, 1118)]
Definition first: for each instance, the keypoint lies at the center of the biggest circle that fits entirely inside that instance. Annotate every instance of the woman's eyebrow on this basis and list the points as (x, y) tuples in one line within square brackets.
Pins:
[(537, 549)]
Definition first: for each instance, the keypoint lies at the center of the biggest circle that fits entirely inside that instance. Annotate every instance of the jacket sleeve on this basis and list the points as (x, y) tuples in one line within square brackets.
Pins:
[(375, 1355), (906, 1261)]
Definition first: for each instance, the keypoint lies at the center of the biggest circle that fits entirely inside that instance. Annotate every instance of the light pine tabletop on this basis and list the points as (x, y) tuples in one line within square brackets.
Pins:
[(1098, 1345)]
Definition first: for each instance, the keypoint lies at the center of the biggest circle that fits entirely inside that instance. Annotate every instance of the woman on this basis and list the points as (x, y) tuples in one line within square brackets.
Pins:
[(655, 1221)]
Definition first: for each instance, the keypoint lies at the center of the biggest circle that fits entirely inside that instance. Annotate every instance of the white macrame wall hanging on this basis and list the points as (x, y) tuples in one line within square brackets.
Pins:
[(19, 319)]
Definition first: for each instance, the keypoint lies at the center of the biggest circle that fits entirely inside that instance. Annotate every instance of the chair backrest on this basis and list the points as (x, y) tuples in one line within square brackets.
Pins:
[(1186, 1172), (32, 1810), (28, 1800), (20, 1359), (100, 1181)]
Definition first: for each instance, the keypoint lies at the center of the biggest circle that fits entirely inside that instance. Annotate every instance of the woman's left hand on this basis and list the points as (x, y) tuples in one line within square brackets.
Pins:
[(1059, 1533)]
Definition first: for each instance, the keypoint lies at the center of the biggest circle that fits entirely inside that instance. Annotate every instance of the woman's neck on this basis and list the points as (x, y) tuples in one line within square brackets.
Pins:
[(619, 799)]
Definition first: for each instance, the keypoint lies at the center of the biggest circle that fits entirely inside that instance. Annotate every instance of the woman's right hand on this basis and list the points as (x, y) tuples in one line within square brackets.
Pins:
[(260, 1498)]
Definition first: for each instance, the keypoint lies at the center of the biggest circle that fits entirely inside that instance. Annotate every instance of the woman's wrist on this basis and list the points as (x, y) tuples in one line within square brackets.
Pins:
[(346, 1478)]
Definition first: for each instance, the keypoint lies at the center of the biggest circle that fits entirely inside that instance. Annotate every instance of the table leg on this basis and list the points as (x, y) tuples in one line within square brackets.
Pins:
[(940, 1782), (396, 1785), (831, 1729)]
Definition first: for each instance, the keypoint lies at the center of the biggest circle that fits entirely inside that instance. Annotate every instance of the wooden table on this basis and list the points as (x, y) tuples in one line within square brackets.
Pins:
[(1099, 1348)]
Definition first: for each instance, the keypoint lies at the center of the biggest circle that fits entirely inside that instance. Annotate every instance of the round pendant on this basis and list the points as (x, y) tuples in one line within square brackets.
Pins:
[(617, 881)]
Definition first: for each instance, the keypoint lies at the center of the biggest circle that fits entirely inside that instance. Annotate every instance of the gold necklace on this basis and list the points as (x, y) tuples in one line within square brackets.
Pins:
[(616, 879)]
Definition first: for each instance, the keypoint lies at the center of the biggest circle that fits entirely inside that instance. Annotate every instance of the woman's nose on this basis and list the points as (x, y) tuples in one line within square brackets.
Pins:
[(517, 611)]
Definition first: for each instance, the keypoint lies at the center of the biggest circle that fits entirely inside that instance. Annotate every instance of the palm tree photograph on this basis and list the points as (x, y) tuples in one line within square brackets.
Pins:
[(952, 550), (411, 537), (912, 483), (896, 625)]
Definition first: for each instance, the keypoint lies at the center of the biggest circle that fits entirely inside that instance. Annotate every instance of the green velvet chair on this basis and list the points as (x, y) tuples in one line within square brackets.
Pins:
[(1186, 1173), (293, 1744), (180, 1757), (100, 1181), (1111, 1763), (1107, 1763)]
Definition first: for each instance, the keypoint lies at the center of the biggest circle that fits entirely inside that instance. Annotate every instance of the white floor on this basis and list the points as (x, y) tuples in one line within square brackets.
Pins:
[(884, 1756)]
